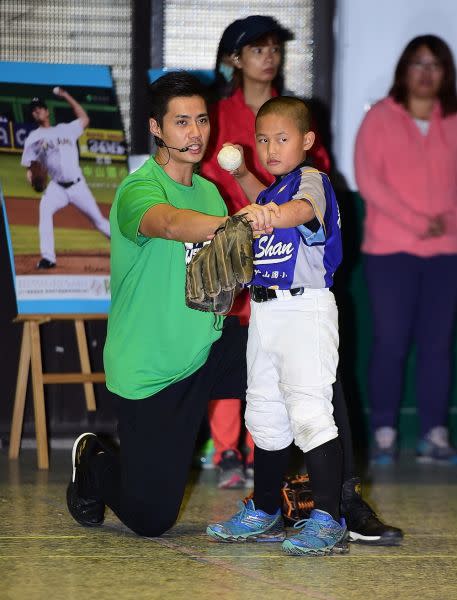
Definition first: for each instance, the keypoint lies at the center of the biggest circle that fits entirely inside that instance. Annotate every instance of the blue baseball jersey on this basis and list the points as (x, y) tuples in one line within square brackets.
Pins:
[(309, 254)]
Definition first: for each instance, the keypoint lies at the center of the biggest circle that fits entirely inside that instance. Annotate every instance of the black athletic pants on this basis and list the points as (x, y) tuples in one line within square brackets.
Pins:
[(144, 483)]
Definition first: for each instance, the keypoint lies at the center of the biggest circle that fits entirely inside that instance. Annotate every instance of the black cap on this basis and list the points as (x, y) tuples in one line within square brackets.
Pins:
[(37, 103), (244, 31)]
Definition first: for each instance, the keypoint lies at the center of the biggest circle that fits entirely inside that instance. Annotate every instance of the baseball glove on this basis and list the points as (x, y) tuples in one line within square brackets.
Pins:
[(216, 273), (39, 176), (297, 499)]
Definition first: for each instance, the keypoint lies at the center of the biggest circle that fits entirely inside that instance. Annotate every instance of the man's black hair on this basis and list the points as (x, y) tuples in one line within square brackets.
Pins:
[(173, 85)]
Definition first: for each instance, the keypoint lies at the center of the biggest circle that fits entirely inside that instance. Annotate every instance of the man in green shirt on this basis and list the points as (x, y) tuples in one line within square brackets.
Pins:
[(163, 360)]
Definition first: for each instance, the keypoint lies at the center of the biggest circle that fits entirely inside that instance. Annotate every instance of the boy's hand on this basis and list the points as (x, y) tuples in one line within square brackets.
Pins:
[(260, 216), (242, 170)]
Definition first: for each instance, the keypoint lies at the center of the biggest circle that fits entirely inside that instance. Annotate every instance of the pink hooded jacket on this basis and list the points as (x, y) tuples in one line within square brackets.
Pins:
[(405, 178)]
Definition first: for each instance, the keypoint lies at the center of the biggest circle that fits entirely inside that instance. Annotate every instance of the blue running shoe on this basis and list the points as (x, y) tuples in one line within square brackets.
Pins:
[(249, 525), (317, 537)]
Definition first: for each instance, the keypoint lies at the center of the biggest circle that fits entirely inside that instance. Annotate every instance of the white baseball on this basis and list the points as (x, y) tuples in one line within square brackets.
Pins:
[(229, 158), (56, 90)]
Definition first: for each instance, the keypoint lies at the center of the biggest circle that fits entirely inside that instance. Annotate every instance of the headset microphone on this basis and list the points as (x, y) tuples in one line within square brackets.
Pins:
[(162, 144)]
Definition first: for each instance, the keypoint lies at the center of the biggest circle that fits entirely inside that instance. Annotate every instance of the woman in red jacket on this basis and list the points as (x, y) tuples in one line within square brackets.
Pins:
[(248, 73)]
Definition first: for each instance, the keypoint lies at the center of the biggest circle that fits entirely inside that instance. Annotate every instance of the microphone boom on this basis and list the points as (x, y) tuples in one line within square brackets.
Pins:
[(162, 144)]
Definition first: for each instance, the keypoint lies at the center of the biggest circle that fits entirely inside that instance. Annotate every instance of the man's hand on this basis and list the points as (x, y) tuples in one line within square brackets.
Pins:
[(60, 92), (79, 111)]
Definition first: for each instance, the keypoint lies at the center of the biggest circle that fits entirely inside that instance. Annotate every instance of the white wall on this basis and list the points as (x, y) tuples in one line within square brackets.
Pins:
[(369, 38)]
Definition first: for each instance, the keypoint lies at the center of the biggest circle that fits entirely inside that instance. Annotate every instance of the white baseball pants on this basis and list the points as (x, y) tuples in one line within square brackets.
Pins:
[(292, 357), (57, 197)]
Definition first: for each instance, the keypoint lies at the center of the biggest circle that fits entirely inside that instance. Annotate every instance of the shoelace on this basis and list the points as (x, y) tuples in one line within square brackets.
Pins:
[(311, 526), (241, 513)]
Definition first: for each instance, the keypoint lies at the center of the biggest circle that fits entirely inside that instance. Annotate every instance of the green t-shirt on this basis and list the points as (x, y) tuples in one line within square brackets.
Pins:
[(153, 338)]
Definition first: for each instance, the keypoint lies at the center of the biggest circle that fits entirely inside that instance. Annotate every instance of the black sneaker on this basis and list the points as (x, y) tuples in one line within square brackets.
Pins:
[(85, 510), (363, 525), (44, 263), (231, 472)]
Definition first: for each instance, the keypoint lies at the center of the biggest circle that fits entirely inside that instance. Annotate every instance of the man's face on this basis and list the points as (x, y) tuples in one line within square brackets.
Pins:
[(40, 114), (185, 124), (281, 146)]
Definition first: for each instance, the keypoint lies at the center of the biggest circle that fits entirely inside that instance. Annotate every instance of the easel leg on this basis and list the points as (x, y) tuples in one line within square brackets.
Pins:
[(21, 389), (85, 363), (38, 398)]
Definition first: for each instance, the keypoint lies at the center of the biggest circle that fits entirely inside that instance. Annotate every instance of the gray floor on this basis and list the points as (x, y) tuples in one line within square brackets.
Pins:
[(44, 554)]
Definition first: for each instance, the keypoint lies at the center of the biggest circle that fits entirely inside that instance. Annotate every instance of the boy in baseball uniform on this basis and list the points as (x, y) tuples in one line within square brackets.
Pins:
[(292, 352), (56, 148)]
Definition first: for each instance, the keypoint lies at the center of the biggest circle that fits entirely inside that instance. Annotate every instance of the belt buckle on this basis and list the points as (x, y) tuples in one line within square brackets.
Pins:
[(259, 293), (283, 295)]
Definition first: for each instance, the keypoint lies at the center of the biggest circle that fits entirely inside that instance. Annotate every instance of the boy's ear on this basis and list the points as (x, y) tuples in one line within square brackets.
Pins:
[(308, 140), (154, 128)]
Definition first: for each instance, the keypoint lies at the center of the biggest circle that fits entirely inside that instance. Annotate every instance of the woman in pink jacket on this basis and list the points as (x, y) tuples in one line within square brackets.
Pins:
[(406, 170)]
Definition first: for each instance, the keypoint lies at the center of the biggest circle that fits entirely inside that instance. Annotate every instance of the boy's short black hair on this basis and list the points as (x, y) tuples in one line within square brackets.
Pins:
[(173, 85), (287, 106)]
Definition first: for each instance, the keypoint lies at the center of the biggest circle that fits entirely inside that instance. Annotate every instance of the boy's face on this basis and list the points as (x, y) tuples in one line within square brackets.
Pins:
[(281, 146), (185, 124)]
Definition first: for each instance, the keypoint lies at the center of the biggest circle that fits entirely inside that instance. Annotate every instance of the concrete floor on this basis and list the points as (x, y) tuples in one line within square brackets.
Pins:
[(44, 554)]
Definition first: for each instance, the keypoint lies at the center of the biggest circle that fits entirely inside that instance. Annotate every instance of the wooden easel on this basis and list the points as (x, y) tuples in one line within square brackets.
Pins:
[(31, 356)]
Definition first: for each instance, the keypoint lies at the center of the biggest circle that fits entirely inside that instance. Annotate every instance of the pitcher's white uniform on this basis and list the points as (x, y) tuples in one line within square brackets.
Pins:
[(56, 148)]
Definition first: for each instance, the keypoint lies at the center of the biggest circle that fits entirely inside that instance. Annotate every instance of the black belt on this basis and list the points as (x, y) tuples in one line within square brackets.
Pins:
[(68, 184), (263, 294)]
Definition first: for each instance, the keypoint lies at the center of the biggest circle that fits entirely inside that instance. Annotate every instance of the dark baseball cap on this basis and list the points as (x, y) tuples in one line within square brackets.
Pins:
[(245, 31), (37, 103)]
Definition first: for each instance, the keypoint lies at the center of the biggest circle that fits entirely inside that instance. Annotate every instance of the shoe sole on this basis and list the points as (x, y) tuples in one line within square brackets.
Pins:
[(357, 538), (293, 550), (262, 537), (84, 523), (428, 460), (73, 453), (341, 547), (235, 483), (72, 485)]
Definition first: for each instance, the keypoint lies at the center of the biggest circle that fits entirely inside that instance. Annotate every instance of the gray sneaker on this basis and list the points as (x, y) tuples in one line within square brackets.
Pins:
[(384, 449), (436, 448), (231, 473), (249, 475)]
